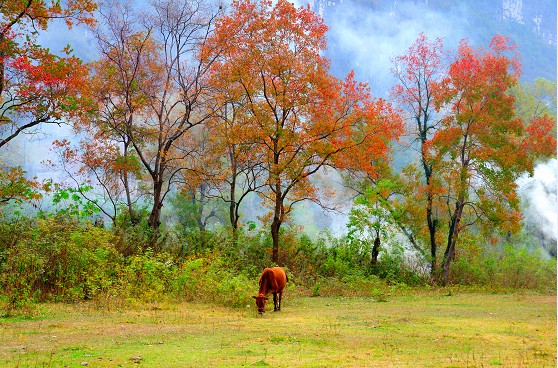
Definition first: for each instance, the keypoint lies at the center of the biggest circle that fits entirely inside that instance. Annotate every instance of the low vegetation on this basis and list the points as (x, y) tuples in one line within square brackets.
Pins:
[(53, 259)]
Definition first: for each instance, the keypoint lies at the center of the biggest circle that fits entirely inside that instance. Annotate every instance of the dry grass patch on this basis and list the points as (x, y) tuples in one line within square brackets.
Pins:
[(416, 330)]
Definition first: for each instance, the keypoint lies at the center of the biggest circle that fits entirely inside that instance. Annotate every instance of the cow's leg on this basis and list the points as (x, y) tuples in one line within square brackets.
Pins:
[(280, 296), (275, 302)]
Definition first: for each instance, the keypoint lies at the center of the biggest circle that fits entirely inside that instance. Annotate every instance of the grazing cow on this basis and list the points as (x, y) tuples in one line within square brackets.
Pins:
[(272, 281)]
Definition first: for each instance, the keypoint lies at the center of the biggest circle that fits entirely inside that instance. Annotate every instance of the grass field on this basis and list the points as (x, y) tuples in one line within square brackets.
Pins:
[(417, 330)]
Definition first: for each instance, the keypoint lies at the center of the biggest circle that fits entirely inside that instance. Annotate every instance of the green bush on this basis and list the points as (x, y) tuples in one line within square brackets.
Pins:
[(520, 268), (55, 260), (147, 276), (210, 279), (133, 234), (512, 266)]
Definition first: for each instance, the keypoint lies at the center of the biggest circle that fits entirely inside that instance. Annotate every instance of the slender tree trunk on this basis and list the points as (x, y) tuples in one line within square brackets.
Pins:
[(432, 232), (430, 220), (233, 209), (234, 220), (453, 234), (277, 220), (154, 220), (375, 250), (275, 226), (127, 189)]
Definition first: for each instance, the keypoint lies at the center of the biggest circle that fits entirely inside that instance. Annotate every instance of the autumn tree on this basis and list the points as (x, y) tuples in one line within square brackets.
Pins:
[(298, 115), (37, 86), (481, 147), (471, 146), (149, 85), (417, 73), (105, 156), (239, 172)]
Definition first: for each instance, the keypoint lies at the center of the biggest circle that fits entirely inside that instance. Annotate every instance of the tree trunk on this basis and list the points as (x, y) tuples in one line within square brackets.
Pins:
[(453, 234), (432, 232), (277, 220), (375, 250), (154, 220), (233, 210), (430, 220), (275, 226), (126, 180)]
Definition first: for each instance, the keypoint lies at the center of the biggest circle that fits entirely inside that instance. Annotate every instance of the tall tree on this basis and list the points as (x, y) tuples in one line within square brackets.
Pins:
[(418, 72), (152, 91), (299, 115), (127, 70), (481, 147), (240, 172), (471, 146)]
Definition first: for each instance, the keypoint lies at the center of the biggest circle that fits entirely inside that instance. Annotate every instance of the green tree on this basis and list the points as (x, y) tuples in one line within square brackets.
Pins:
[(535, 99)]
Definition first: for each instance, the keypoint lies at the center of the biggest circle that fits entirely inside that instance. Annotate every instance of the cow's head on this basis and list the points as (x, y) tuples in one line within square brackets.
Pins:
[(260, 302)]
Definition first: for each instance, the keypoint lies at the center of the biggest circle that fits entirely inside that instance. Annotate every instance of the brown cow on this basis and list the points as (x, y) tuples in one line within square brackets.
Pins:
[(272, 281)]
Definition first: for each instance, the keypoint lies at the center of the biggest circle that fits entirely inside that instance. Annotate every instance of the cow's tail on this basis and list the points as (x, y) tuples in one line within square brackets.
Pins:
[(286, 276)]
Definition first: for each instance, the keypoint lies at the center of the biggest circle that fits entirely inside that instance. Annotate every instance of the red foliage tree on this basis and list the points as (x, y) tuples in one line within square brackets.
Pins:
[(299, 117)]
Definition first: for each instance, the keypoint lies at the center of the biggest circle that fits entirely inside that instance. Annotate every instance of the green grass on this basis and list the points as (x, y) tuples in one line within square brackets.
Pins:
[(422, 329)]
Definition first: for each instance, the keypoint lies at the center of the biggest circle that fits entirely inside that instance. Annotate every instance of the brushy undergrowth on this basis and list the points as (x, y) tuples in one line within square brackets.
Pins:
[(55, 259)]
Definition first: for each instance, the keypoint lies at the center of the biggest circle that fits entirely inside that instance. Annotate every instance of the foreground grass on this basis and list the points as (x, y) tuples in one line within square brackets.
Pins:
[(432, 330)]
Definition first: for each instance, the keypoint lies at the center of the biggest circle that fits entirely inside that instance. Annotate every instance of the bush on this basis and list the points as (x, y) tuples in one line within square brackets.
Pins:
[(55, 260), (146, 276), (512, 266), (133, 234), (525, 269), (210, 279)]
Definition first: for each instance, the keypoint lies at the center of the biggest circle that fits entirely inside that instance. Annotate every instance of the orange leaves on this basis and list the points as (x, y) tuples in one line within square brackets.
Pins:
[(472, 146), (37, 86), (480, 146), (539, 140), (295, 115), (44, 75), (41, 12)]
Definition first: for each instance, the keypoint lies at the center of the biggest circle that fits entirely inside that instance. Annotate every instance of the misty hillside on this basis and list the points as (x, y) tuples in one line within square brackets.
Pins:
[(365, 34)]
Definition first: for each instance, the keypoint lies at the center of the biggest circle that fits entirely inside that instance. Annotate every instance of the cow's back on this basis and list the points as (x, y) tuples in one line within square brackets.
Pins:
[(280, 277)]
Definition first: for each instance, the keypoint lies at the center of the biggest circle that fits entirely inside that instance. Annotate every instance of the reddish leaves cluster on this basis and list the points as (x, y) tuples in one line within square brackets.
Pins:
[(37, 86)]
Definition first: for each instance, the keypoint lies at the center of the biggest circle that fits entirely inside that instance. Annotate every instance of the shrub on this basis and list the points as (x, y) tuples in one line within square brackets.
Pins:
[(55, 259), (510, 266), (210, 279), (147, 276), (133, 234)]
